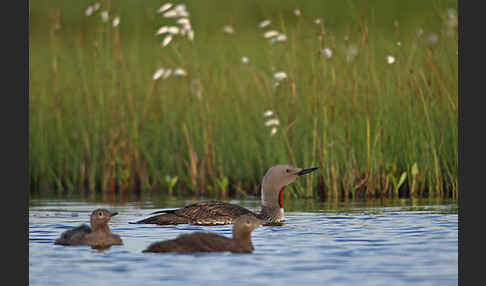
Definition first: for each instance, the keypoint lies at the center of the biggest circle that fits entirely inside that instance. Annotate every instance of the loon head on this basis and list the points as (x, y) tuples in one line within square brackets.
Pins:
[(100, 218), (275, 181), (244, 225)]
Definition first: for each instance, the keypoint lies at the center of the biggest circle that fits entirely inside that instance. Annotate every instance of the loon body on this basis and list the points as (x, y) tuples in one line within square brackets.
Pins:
[(220, 213), (99, 236), (211, 242)]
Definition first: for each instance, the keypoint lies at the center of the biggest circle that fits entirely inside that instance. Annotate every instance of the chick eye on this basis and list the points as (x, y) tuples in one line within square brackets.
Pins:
[(100, 214), (287, 170)]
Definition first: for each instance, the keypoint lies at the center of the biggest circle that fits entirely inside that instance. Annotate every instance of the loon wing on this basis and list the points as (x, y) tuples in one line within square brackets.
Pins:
[(212, 212), (202, 213)]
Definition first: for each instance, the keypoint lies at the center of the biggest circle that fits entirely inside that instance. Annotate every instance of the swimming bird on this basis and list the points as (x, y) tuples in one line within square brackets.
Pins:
[(210, 242), (99, 236), (217, 213)]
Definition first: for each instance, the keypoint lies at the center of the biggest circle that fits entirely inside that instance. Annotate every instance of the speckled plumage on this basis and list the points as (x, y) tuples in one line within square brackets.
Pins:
[(200, 213), (220, 213)]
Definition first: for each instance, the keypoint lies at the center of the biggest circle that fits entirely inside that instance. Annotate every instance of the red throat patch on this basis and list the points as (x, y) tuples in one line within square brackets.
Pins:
[(280, 197)]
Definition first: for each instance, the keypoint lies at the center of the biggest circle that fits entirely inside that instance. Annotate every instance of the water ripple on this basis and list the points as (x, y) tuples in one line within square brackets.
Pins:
[(381, 246)]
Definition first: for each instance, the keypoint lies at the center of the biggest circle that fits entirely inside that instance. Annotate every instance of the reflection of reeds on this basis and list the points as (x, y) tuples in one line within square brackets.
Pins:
[(102, 119)]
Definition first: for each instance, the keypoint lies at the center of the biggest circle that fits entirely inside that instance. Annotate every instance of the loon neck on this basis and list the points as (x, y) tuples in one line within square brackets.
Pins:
[(272, 197), (100, 227)]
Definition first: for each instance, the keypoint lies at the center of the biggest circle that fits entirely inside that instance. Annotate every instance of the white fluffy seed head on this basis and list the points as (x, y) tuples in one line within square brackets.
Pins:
[(264, 23), (273, 121), (105, 16), (327, 52), (280, 38), (228, 29), (268, 113), (116, 21), (170, 14), (162, 30), (158, 73), (89, 11), (270, 34), (183, 21), (190, 35), (180, 72), (166, 41), (174, 30), (280, 76), (164, 7)]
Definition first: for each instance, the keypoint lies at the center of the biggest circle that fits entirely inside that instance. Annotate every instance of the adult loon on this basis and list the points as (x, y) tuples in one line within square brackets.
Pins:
[(210, 242), (99, 236), (217, 213)]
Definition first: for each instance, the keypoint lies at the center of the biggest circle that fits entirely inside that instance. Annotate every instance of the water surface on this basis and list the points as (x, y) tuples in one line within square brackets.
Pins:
[(351, 244)]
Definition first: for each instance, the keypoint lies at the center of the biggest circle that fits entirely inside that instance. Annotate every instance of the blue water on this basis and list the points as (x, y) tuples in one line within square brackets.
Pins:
[(358, 245)]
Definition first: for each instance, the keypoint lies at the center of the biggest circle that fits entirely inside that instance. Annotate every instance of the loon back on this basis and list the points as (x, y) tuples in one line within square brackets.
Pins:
[(200, 213), (74, 236)]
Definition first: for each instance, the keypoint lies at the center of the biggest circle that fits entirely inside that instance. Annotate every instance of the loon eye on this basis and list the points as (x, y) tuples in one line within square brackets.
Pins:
[(100, 214)]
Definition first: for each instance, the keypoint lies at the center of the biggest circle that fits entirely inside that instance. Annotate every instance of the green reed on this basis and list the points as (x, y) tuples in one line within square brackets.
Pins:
[(98, 122)]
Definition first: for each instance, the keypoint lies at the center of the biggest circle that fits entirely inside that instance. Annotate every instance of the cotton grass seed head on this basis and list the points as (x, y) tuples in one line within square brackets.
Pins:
[(390, 59), (280, 38), (327, 52), (228, 29), (317, 21), (166, 41), (190, 35), (273, 131), (116, 21), (164, 7), (181, 10), (272, 122), (105, 16), (174, 30), (264, 23), (180, 72), (270, 34), (268, 113), (89, 11), (170, 14), (162, 30), (244, 60), (280, 76), (183, 21), (158, 73)]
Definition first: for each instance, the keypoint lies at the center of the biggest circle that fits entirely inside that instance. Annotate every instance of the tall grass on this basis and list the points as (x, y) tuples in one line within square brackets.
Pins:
[(98, 122)]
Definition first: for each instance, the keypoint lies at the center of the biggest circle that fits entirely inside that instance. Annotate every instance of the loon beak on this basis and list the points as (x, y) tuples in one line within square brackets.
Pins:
[(307, 171)]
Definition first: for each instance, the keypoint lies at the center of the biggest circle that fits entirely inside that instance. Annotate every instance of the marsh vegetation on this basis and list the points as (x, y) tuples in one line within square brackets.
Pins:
[(369, 93)]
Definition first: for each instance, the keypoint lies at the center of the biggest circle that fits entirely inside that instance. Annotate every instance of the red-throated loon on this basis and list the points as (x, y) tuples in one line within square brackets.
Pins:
[(217, 213), (211, 242), (99, 236)]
